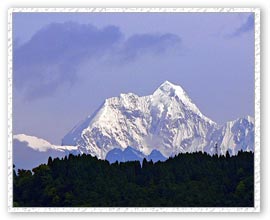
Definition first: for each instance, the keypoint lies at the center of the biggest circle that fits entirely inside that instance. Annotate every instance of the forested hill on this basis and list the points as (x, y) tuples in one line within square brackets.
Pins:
[(187, 180)]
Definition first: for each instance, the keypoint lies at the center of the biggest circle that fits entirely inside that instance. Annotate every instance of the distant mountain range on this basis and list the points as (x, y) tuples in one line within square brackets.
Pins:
[(160, 125), (130, 154)]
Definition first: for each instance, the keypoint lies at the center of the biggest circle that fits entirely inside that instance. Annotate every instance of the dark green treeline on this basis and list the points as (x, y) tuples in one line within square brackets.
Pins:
[(187, 180)]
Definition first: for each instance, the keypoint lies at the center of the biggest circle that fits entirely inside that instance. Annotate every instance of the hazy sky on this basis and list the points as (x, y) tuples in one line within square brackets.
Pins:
[(66, 64)]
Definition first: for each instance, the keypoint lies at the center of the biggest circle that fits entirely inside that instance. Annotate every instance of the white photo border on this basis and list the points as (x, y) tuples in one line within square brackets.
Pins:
[(256, 207)]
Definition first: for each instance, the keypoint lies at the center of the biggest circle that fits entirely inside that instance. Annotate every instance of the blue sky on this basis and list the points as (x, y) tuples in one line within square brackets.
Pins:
[(66, 64)]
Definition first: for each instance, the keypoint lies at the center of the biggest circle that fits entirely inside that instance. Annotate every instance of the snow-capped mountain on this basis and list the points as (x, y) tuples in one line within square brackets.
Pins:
[(233, 136), (167, 121), (42, 145), (31, 151)]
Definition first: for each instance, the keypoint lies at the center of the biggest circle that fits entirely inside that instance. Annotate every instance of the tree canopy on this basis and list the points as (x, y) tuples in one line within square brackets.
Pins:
[(187, 180)]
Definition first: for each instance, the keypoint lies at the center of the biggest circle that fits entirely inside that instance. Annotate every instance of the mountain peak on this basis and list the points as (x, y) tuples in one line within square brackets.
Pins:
[(169, 91), (168, 83), (250, 119), (171, 88)]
